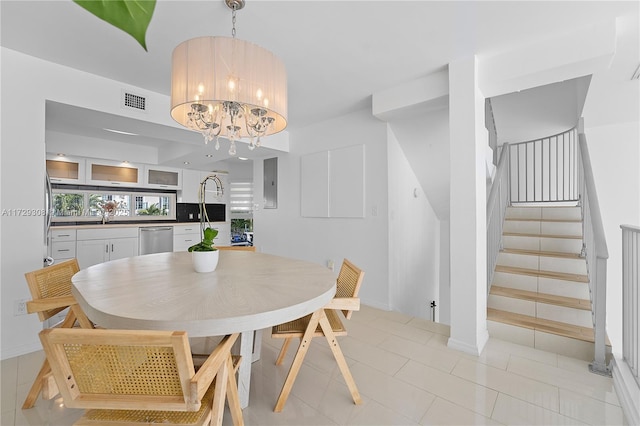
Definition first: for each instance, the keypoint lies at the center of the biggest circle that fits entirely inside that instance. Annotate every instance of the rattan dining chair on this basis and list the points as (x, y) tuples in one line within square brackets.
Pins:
[(323, 322), (133, 377), (50, 289)]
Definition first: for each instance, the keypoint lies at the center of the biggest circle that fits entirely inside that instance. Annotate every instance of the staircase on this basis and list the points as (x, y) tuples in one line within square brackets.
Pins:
[(539, 295)]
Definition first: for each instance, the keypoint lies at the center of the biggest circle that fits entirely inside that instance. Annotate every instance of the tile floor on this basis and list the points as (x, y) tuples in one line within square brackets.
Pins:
[(406, 376)]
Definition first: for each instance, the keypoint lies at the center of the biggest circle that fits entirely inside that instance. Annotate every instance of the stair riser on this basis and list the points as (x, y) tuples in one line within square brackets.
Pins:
[(510, 304), (541, 310), (545, 228), (543, 263), (564, 314), (543, 341), (564, 288), (555, 213), (561, 245), (542, 285)]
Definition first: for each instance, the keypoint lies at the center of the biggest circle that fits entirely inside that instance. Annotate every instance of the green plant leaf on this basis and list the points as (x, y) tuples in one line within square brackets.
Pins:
[(131, 16)]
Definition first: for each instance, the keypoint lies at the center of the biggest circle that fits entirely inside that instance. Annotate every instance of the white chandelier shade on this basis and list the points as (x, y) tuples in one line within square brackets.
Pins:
[(222, 86)]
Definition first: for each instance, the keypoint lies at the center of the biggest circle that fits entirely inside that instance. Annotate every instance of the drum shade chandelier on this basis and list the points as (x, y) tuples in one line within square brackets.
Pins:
[(222, 86)]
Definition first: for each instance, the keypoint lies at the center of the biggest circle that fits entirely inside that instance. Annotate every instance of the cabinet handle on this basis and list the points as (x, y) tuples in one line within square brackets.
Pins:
[(187, 241), (111, 248), (63, 250), (106, 248), (63, 235)]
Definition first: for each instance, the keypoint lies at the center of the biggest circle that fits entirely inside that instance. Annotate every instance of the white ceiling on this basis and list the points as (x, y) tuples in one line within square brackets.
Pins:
[(337, 53)]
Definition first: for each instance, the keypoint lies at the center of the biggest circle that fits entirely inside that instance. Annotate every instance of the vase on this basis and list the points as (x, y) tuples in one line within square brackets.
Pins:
[(205, 261)]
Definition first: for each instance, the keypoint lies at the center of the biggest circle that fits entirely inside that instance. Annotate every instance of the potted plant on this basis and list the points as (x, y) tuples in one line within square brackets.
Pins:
[(203, 254)]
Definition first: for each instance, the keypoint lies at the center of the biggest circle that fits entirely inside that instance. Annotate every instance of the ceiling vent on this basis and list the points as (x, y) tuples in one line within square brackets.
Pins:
[(636, 75), (133, 101)]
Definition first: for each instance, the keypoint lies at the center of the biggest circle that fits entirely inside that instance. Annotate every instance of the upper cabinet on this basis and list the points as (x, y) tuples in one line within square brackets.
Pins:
[(162, 177), (216, 188), (113, 173), (62, 169), (190, 186)]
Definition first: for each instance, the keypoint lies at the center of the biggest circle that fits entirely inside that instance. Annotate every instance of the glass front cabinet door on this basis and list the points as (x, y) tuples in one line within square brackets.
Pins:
[(63, 169)]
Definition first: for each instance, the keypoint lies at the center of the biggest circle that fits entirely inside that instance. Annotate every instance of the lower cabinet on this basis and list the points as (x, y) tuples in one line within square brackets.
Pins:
[(91, 249), (184, 236)]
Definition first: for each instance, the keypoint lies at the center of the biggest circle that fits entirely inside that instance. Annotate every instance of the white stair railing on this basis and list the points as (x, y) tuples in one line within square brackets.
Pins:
[(594, 249), (631, 298), (544, 170), (499, 199)]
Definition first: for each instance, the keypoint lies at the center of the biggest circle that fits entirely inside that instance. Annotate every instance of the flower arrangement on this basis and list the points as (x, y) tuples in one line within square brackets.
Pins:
[(108, 208)]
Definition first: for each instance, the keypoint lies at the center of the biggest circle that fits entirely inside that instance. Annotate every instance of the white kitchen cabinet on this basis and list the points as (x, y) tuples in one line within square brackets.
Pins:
[(184, 236), (92, 252), (113, 173), (191, 180), (190, 185), (162, 177), (212, 195), (62, 244), (63, 169), (101, 245)]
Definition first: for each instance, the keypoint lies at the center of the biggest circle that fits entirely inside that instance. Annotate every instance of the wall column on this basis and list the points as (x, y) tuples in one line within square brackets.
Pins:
[(468, 142)]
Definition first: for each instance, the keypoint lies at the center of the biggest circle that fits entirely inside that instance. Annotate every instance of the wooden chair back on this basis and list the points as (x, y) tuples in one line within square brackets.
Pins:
[(136, 370), (52, 283), (348, 283), (50, 289)]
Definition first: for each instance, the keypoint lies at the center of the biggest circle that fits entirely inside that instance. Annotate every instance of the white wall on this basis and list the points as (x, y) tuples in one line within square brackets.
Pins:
[(443, 310), (27, 83), (414, 238), (615, 156), (364, 241)]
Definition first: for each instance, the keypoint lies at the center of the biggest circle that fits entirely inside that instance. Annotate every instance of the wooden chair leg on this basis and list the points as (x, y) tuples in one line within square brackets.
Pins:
[(69, 320), (297, 360), (337, 354), (49, 387), (283, 350), (219, 395), (81, 317), (232, 395), (32, 396)]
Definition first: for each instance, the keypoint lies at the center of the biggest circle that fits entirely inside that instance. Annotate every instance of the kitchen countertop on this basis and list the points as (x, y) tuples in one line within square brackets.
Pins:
[(126, 225)]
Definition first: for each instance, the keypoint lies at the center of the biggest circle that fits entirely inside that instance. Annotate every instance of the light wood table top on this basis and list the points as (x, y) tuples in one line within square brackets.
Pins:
[(247, 291)]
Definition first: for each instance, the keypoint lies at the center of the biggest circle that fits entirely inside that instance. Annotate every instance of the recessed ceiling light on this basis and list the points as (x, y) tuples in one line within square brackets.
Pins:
[(119, 132), (186, 163), (60, 154), (209, 155), (243, 158)]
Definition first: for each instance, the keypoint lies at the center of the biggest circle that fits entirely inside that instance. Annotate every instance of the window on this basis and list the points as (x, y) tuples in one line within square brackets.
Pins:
[(92, 205), (241, 198)]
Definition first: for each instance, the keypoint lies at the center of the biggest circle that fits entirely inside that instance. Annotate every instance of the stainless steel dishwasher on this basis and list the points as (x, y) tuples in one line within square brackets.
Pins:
[(156, 239)]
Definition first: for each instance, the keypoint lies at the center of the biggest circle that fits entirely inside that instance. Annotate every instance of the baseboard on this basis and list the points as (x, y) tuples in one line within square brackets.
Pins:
[(465, 347), (627, 390), (14, 351), (373, 304)]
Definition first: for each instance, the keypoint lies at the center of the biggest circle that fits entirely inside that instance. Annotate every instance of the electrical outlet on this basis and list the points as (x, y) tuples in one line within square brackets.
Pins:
[(20, 307), (330, 264)]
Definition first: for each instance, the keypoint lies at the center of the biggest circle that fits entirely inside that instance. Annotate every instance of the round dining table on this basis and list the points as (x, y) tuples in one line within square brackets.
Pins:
[(248, 291)]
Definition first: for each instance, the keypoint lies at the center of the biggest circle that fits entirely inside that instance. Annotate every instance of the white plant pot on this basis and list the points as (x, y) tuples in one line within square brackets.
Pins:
[(205, 261)]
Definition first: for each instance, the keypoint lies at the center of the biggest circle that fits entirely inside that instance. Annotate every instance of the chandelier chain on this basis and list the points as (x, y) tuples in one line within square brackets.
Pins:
[(233, 22)]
